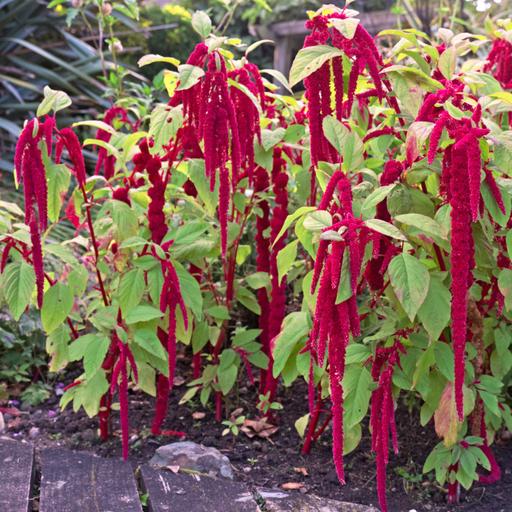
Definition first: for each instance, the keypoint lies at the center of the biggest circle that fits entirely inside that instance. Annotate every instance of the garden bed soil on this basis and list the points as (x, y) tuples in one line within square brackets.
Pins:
[(274, 461)]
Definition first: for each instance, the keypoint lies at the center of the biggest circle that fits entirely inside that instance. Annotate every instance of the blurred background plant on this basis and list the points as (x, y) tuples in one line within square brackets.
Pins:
[(23, 359)]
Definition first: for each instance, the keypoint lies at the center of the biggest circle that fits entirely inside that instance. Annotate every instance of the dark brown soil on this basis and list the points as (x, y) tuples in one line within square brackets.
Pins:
[(277, 460)]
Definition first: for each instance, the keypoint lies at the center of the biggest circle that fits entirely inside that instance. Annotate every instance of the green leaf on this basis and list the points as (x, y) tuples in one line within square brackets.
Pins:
[(94, 355), (143, 313), (376, 197), (58, 177), (445, 360), (89, 394), (57, 304), (434, 313), (111, 149), (295, 328), (18, 282), (269, 138), (226, 378), (285, 259), (202, 24), (410, 281), (290, 219), (53, 100), (131, 290), (428, 226), (385, 228), (189, 76), (505, 286), (148, 340), (346, 27), (357, 383), (347, 143), (218, 312), (152, 58), (301, 425), (447, 62), (415, 75), (190, 290), (164, 123), (78, 347), (357, 353), (258, 280), (318, 220), (248, 299), (99, 125), (274, 73), (309, 59), (125, 219)]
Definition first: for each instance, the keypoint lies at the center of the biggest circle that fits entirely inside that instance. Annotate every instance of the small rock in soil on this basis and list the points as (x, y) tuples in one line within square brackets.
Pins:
[(194, 457), (33, 432)]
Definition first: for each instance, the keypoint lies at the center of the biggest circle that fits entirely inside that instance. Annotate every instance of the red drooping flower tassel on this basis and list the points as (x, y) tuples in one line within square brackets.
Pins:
[(278, 294), (69, 139), (382, 416), (461, 247), (170, 299), (333, 322), (30, 171), (261, 185), (247, 115), (498, 62)]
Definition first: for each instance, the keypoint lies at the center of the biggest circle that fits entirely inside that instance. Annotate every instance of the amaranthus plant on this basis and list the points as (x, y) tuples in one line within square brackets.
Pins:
[(361, 227)]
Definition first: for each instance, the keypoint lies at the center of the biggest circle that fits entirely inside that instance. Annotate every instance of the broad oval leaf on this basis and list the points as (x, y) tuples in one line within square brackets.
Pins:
[(410, 281)]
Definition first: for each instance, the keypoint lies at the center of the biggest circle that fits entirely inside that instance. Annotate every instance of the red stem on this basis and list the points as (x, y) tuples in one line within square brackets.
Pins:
[(313, 422)]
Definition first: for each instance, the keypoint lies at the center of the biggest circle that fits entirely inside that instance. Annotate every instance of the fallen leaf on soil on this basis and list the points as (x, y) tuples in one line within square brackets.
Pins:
[(237, 412), (259, 427), (13, 411), (174, 469), (292, 486), (301, 470), (15, 423), (178, 380), (198, 415)]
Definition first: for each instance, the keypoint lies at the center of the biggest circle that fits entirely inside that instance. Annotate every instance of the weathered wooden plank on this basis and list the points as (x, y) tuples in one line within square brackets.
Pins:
[(277, 500), (78, 481), (170, 492), (17, 471)]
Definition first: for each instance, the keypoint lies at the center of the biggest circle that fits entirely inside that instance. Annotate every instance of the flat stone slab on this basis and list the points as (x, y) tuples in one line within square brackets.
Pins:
[(194, 457), (277, 500), (79, 481), (175, 492), (16, 475)]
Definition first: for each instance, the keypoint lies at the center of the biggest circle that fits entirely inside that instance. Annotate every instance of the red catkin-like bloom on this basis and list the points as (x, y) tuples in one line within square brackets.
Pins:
[(30, 172), (333, 322), (170, 299), (247, 115), (498, 62), (362, 52), (37, 260), (495, 190), (70, 140), (261, 185), (382, 421), (278, 294), (461, 247), (435, 136)]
